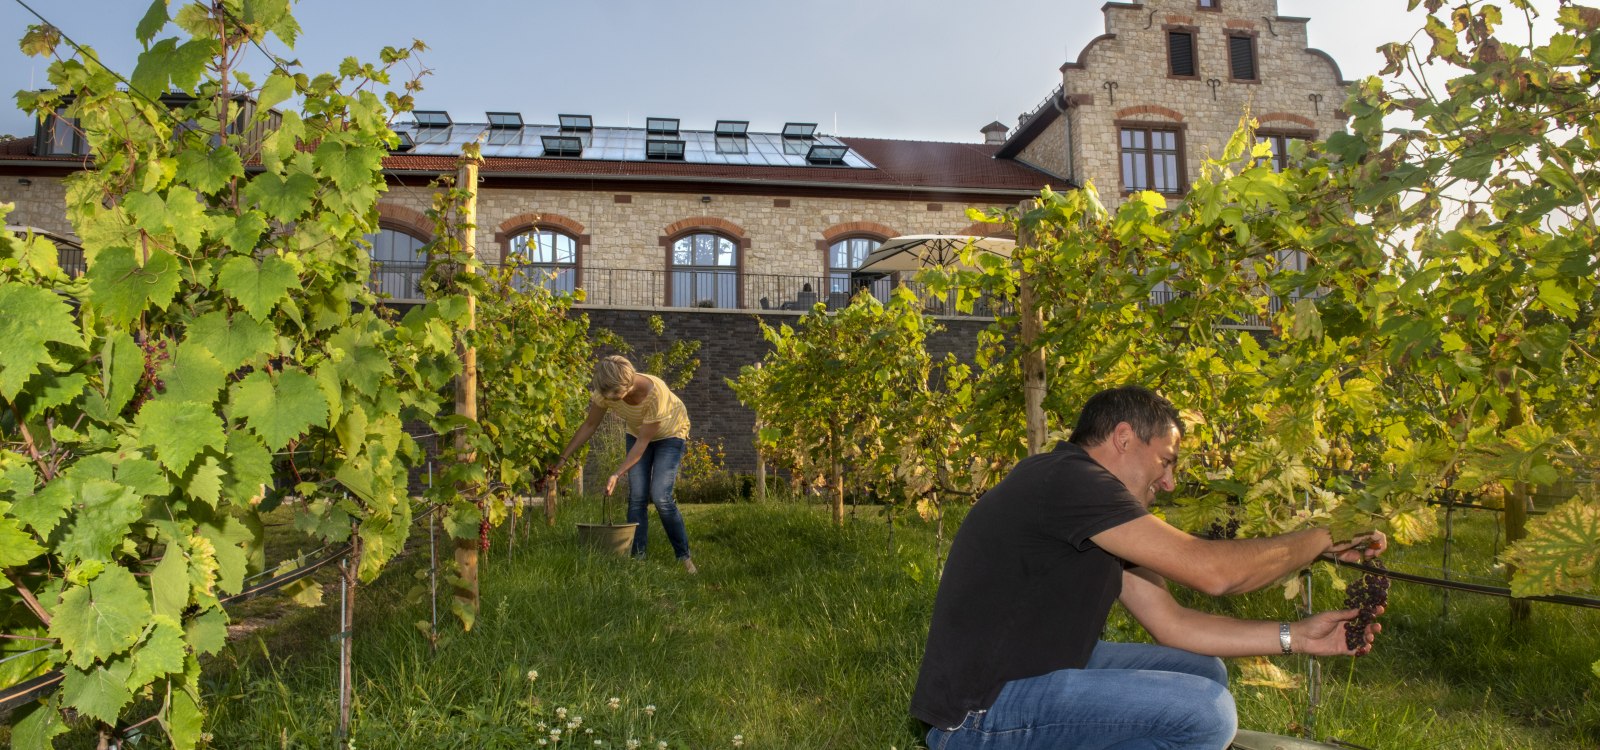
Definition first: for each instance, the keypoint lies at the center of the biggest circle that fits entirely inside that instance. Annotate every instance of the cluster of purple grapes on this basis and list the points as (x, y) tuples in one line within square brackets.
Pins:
[(1367, 594), (150, 384), (1220, 530)]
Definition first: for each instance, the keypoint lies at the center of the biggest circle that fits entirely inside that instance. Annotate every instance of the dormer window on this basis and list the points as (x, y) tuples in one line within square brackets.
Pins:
[(59, 135)]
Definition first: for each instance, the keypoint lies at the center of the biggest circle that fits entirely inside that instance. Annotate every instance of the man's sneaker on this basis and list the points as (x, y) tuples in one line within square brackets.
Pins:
[(688, 565)]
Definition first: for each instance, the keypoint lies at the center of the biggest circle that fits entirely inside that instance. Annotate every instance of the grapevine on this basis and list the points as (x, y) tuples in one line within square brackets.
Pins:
[(1368, 594)]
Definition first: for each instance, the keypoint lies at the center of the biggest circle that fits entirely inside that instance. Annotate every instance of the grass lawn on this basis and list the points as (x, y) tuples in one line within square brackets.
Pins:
[(799, 635)]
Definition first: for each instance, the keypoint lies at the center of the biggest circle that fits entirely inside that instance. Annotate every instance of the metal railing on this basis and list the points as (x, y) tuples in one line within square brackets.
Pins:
[(700, 288), (697, 288)]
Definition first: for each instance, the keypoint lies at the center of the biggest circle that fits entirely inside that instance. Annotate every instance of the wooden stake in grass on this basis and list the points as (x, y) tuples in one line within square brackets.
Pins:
[(466, 585)]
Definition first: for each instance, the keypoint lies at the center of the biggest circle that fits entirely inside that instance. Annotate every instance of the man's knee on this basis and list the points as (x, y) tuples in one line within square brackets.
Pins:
[(1215, 719)]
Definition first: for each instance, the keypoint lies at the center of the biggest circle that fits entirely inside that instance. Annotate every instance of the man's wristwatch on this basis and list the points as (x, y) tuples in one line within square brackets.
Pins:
[(1283, 638)]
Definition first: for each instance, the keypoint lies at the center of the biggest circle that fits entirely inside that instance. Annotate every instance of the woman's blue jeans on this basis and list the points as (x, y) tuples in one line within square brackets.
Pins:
[(1130, 696), (650, 483)]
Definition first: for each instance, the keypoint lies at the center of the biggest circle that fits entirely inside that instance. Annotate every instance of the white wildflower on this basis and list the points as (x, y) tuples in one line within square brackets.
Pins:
[(614, 703), (738, 740), (543, 741), (650, 710), (633, 744), (533, 674)]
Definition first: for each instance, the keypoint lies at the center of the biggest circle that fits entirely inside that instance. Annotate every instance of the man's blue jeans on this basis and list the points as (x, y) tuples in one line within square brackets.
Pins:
[(1129, 696), (650, 483)]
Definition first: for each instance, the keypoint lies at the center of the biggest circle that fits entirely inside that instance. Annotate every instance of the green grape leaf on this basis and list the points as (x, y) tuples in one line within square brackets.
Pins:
[(272, 15), (350, 168), (209, 171), (278, 411), (169, 583), (99, 691), (179, 430), (182, 64), (162, 653), (121, 367), (282, 199), (107, 509), (208, 633), (38, 724), (101, 619), (204, 480), (184, 717), (279, 87), (56, 390), (120, 289), (249, 467), (139, 473), (233, 341), (192, 374), (1557, 299), (30, 318), (246, 232), (258, 288), (17, 547), (360, 362), (155, 18), (1560, 554), (44, 509)]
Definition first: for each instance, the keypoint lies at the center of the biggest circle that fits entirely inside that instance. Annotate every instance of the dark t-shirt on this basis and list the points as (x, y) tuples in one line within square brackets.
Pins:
[(1025, 592)]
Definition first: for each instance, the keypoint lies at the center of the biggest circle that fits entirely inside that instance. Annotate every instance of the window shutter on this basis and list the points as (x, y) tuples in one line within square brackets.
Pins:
[(1180, 53), (1242, 56)]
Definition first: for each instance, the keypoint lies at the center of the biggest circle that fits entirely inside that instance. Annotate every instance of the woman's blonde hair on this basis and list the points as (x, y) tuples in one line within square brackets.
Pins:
[(612, 374)]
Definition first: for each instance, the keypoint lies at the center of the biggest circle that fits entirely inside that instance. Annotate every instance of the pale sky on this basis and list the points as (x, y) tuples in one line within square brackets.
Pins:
[(909, 69)]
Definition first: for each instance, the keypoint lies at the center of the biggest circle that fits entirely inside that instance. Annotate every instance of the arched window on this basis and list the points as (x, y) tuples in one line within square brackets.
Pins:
[(397, 262), (548, 258), (705, 271), (844, 257)]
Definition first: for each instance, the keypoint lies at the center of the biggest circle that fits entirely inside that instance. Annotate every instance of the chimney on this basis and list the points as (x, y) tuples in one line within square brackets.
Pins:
[(994, 133)]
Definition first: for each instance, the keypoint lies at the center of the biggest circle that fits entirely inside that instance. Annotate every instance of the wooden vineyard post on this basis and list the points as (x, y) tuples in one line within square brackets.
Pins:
[(550, 503), (467, 385), (761, 461), (1516, 512), (1033, 385)]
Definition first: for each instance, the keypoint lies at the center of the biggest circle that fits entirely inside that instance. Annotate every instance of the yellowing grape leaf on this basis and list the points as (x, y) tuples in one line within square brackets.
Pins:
[(1261, 672), (1560, 554)]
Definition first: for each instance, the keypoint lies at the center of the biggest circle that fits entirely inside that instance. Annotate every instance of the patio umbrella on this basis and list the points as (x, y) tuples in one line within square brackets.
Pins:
[(915, 252)]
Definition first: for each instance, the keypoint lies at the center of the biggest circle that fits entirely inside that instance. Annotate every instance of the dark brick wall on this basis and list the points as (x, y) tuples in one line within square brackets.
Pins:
[(729, 341)]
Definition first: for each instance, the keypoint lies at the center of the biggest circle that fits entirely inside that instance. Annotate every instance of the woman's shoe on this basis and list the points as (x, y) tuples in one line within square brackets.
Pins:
[(688, 565)]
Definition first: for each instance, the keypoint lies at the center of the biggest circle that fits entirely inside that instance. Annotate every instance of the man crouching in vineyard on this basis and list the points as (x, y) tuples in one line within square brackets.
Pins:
[(1013, 658)]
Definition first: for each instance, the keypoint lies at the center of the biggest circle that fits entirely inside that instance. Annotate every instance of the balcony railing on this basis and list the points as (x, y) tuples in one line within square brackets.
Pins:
[(703, 289), (689, 288)]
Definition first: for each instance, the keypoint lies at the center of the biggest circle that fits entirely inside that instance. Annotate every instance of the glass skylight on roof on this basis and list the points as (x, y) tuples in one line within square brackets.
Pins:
[(831, 155), (726, 145), (799, 129), (562, 145), (661, 125), (635, 144), (405, 141), (663, 149), (583, 123), (503, 120), (732, 128), (504, 136), (431, 118)]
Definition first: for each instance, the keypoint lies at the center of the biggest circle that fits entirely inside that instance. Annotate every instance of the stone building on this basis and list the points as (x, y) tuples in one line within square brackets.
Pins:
[(1166, 86), (717, 226)]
